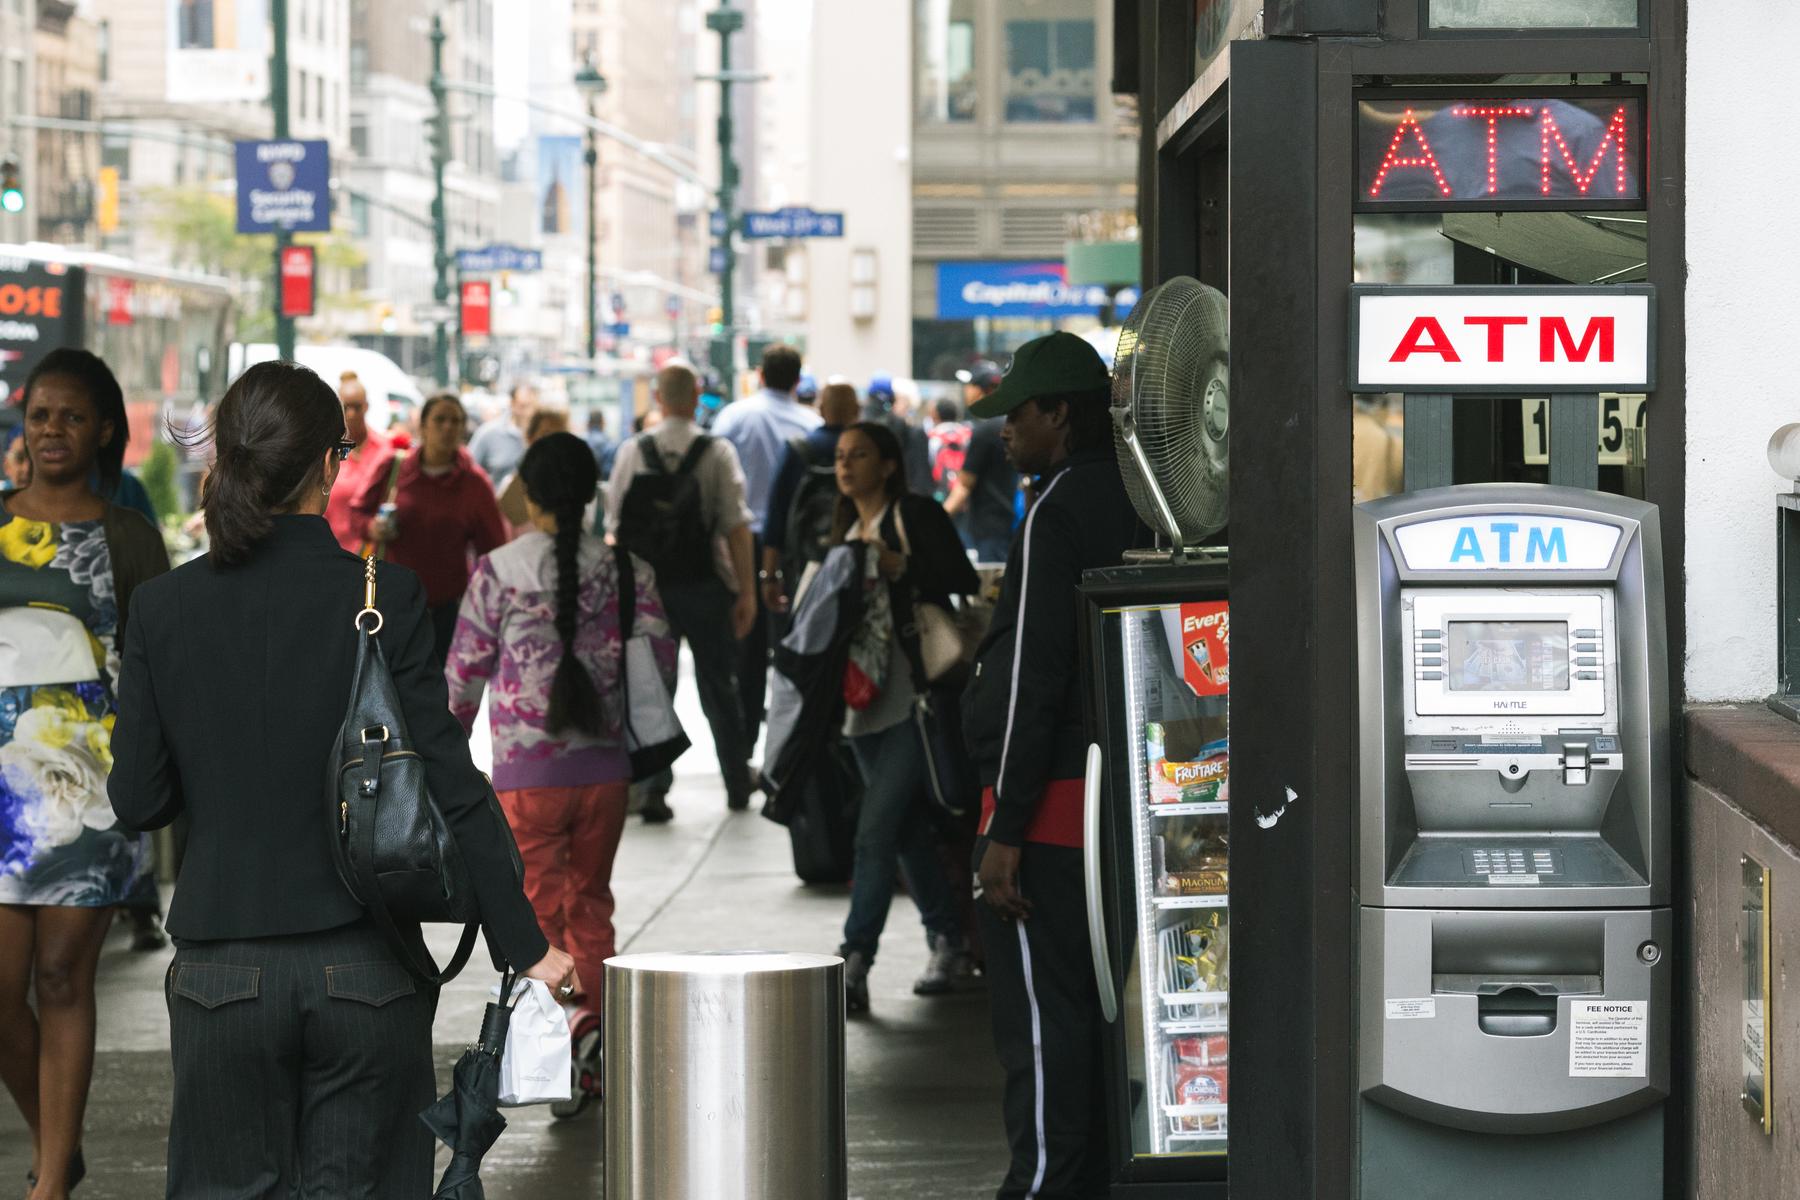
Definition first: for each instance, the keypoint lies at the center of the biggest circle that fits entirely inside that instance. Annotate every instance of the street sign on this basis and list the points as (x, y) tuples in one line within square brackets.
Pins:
[(297, 281), (793, 223), (284, 185), (716, 223), (477, 307), (432, 314), (499, 257), (715, 260), (619, 329), (672, 305), (1502, 339)]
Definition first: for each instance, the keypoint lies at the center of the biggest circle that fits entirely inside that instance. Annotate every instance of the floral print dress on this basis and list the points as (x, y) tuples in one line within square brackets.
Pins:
[(59, 841)]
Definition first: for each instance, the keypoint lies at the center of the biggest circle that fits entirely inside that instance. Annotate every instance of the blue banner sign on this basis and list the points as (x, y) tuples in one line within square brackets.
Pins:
[(1018, 289), (499, 257), (793, 223), (283, 185)]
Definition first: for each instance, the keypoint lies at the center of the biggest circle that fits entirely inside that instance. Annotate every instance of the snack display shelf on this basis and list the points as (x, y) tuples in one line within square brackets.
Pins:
[(1180, 798)]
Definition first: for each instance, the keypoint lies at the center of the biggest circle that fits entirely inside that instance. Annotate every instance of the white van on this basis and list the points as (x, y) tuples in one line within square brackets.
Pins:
[(392, 392)]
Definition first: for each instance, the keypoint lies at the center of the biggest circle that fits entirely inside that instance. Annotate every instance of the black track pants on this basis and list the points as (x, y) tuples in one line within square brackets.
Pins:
[(1047, 1032)]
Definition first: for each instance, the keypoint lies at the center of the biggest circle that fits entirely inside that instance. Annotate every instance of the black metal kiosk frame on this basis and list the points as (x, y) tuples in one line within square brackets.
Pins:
[(1247, 181)]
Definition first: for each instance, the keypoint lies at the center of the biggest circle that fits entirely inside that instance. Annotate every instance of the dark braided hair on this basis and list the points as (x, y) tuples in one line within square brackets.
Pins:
[(560, 477)]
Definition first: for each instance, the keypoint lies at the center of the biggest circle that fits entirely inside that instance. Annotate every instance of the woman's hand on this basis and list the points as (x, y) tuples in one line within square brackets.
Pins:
[(891, 563), (558, 970)]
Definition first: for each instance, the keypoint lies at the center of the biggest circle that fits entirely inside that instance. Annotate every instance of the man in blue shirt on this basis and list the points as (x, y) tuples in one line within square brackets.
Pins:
[(759, 428), (782, 561)]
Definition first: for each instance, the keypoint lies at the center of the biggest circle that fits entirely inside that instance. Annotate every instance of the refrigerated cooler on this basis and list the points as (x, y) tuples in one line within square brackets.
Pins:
[(1159, 781)]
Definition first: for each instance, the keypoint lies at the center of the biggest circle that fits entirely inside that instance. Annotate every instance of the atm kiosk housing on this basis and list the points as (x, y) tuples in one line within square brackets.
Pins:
[(1513, 991)]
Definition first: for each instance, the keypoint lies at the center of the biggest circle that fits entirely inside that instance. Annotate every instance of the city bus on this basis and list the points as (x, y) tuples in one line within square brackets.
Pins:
[(165, 334)]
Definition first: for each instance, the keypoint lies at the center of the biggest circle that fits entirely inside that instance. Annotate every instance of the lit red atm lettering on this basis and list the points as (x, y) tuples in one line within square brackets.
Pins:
[(1410, 150), (1426, 335)]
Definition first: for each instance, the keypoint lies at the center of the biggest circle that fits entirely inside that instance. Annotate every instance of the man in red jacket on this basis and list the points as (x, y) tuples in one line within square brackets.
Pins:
[(372, 457)]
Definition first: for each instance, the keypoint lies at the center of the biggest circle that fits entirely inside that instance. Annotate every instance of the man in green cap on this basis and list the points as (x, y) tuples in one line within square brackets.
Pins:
[(1023, 720)]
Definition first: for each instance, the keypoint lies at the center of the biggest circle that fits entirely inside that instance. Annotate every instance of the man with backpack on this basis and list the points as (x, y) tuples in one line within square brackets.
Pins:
[(803, 503), (676, 500)]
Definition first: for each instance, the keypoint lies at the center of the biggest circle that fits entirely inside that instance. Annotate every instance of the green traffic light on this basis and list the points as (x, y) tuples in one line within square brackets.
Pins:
[(12, 200)]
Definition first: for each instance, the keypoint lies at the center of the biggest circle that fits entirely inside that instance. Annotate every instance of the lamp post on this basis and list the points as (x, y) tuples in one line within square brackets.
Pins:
[(591, 84), (440, 216), (725, 21)]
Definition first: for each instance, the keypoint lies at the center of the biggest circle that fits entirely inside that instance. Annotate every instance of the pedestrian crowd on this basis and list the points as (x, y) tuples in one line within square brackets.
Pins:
[(877, 592)]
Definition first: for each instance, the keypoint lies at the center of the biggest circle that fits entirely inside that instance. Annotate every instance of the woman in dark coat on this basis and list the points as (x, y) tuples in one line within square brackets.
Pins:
[(302, 1046), (913, 555)]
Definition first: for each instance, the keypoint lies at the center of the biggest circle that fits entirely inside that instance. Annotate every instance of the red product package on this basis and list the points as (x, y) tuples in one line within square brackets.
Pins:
[(1209, 1051), (1201, 1085)]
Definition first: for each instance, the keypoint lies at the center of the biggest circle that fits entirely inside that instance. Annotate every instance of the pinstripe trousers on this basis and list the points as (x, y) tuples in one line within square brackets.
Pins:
[(301, 1066)]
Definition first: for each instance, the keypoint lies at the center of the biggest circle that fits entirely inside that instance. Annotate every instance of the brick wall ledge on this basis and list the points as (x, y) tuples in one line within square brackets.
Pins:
[(1752, 756)]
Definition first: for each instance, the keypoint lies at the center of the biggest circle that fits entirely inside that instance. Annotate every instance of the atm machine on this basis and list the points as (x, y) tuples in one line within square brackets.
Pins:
[(1514, 969)]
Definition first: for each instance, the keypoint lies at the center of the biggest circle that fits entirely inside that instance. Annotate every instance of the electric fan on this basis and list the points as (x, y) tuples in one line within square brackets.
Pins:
[(1171, 410)]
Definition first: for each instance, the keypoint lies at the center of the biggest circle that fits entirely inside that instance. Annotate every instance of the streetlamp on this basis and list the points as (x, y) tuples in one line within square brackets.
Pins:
[(591, 83)]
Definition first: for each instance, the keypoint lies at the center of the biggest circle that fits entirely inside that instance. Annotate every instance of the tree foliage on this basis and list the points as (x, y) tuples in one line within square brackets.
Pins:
[(200, 227)]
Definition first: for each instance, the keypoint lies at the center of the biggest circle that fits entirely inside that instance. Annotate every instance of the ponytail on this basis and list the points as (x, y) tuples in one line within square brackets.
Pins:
[(270, 435), (559, 475)]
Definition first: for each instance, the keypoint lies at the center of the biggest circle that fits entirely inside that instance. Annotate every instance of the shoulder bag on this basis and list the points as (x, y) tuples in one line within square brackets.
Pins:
[(946, 642), (950, 776), (654, 738), (394, 849)]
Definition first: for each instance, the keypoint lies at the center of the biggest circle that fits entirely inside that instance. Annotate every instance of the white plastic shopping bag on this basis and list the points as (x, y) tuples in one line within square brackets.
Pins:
[(535, 1067)]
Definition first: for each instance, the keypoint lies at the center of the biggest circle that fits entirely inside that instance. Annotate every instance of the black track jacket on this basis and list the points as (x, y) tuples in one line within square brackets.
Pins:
[(1022, 709)]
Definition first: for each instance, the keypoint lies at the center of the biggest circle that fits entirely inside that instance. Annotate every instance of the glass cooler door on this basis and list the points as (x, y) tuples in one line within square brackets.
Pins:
[(1171, 772)]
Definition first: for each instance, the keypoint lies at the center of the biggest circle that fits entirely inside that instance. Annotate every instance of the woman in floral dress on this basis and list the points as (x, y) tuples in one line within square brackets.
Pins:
[(68, 561)]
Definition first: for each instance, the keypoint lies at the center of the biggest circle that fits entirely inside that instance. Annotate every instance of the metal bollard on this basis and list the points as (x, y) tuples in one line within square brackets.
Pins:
[(725, 1077)]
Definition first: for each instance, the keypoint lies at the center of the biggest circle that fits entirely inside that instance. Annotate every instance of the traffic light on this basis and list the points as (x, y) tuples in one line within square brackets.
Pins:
[(12, 187)]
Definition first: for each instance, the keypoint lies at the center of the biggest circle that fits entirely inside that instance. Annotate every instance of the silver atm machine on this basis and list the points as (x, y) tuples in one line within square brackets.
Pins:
[(1514, 971)]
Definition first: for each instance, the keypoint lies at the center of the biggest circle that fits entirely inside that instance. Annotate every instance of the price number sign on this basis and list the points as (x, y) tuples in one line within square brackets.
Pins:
[(1619, 412)]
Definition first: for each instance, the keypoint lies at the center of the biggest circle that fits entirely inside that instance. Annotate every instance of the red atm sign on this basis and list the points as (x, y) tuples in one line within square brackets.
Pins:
[(1571, 151), (1530, 341)]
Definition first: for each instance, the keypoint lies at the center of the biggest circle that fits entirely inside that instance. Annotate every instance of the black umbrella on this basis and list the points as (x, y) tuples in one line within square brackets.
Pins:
[(467, 1118)]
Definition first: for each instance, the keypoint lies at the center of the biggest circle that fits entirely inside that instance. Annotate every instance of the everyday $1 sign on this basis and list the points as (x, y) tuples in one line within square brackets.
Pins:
[(1500, 339)]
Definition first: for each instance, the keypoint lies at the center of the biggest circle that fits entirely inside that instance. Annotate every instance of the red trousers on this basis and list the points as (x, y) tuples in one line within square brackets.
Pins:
[(568, 837)]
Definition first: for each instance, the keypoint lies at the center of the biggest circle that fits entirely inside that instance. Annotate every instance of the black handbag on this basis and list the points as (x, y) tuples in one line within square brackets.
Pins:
[(395, 851), (950, 777)]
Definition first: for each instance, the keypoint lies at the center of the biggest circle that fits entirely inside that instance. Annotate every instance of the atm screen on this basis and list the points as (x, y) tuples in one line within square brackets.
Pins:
[(1508, 656)]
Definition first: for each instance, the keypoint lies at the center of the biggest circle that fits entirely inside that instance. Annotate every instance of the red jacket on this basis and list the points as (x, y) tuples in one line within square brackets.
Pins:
[(444, 522), (368, 461)]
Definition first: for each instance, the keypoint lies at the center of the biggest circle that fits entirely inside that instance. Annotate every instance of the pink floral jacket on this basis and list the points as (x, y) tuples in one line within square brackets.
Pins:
[(506, 642)]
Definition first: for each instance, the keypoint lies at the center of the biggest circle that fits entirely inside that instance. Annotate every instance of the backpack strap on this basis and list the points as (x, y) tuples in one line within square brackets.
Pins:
[(651, 455), (692, 458)]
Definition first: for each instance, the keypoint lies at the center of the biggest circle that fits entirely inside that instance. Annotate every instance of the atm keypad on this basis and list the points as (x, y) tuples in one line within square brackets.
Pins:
[(1515, 860)]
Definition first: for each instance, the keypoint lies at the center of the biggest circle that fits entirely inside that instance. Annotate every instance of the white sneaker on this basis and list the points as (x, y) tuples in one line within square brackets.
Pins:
[(950, 967)]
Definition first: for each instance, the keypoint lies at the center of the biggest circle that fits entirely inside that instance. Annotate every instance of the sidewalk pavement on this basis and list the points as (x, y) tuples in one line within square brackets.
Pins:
[(923, 1086)]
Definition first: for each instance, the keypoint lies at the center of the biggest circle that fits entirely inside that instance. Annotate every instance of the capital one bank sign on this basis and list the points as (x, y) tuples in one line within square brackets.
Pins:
[(1529, 341)]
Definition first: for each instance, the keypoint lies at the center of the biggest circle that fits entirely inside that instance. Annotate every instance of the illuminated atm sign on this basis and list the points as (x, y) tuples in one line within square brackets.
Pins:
[(1559, 152), (1508, 542)]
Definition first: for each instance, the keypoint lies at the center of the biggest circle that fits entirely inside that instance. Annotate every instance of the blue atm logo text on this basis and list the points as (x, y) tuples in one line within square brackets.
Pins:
[(1501, 544)]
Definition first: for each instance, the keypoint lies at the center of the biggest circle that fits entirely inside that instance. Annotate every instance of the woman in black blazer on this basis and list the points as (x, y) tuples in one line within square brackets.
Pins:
[(302, 1047)]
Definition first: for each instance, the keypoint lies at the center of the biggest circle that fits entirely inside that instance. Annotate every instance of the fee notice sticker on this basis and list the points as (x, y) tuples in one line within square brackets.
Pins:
[(1608, 1039)]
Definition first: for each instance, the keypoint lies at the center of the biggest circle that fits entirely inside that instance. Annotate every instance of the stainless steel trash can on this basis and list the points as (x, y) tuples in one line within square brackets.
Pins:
[(725, 1077)]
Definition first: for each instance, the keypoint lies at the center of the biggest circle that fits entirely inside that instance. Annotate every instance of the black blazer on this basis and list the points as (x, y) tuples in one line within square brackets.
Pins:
[(233, 684)]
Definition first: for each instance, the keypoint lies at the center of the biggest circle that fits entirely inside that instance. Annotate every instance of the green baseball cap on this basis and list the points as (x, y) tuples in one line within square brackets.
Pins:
[(1046, 366)]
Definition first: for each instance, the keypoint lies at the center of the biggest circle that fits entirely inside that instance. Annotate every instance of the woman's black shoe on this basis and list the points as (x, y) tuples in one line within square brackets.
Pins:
[(657, 811)]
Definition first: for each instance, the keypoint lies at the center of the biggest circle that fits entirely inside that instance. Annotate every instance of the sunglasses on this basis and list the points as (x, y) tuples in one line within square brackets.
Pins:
[(342, 448)]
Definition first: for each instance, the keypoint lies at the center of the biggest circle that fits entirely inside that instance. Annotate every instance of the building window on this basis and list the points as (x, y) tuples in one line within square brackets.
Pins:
[(359, 216), (1050, 74), (359, 138), (300, 76), (946, 60), (1533, 14), (359, 64), (103, 44)]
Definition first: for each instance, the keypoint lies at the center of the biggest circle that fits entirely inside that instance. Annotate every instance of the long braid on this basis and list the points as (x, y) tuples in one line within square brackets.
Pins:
[(560, 478)]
